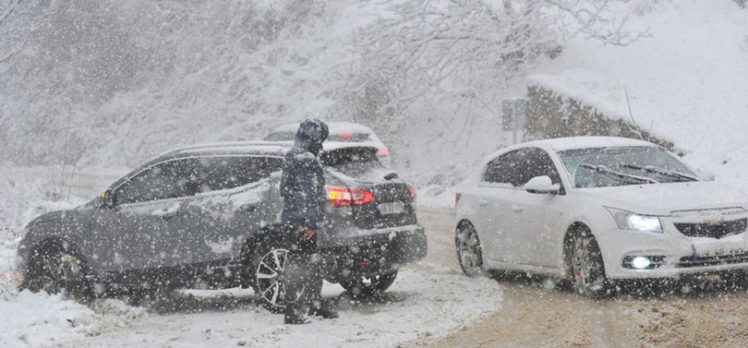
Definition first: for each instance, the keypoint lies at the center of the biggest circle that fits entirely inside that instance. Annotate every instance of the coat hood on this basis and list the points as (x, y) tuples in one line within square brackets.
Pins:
[(311, 134)]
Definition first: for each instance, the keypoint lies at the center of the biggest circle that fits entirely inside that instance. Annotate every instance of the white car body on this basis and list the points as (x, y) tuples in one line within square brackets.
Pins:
[(523, 231), (339, 132)]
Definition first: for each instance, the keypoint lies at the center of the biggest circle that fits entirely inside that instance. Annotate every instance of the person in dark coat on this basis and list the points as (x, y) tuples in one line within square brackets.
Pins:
[(304, 200)]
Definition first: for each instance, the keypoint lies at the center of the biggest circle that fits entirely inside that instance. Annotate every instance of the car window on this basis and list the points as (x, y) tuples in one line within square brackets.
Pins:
[(222, 173), (538, 163), (162, 181), (352, 161), (506, 168), (620, 160), (190, 176)]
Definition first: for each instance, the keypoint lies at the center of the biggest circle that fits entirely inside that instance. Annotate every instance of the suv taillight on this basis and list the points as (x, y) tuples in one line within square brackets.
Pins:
[(383, 152), (413, 193), (339, 196), (457, 198)]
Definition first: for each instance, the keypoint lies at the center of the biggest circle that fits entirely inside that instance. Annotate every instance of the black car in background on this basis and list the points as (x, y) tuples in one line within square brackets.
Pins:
[(207, 216)]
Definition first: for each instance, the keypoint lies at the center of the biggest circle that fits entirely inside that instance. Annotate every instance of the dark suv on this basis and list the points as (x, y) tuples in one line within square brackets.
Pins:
[(207, 216)]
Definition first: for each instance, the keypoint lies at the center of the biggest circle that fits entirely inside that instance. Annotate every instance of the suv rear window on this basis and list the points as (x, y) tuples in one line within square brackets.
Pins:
[(352, 161)]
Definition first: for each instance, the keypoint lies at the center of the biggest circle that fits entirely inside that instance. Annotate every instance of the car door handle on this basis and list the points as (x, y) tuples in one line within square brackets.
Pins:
[(169, 216), (516, 208), (167, 213), (483, 202)]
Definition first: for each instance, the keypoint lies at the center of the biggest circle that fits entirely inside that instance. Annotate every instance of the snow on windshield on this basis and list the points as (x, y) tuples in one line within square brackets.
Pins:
[(633, 161)]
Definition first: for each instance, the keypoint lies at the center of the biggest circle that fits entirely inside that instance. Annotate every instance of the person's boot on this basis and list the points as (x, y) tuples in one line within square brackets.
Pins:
[(325, 310), (294, 315)]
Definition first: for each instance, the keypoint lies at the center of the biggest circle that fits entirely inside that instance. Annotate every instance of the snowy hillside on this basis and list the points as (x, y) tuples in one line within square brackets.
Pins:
[(686, 82)]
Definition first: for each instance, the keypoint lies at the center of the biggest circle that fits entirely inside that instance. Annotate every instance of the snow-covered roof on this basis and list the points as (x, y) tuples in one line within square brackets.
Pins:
[(571, 143)]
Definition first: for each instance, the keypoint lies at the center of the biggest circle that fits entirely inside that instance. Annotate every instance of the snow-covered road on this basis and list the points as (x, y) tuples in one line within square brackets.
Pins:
[(422, 304)]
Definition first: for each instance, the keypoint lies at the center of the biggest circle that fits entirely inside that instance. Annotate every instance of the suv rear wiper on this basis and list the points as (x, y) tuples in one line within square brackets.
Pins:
[(661, 171), (635, 179)]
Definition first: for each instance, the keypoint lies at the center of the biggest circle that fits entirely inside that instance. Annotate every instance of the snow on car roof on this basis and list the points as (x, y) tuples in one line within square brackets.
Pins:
[(571, 143), (260, 147), (334, 127)]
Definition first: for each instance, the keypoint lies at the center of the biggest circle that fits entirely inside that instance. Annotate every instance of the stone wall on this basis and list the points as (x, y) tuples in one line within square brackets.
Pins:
[(551, 115)]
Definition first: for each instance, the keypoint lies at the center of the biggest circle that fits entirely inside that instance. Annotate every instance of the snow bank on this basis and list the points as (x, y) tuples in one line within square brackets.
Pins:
[(686, 83), (36, 319), (31, 320)]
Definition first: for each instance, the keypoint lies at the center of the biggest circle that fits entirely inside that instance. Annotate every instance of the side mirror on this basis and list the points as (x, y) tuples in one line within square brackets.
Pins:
[(107, 199), (542, 184)]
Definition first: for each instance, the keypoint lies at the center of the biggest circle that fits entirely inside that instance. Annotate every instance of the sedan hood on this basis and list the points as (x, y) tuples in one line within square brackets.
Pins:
[(663, 199)]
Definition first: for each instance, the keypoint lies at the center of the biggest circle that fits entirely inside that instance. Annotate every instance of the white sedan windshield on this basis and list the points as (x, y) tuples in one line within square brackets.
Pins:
[(627, 165)]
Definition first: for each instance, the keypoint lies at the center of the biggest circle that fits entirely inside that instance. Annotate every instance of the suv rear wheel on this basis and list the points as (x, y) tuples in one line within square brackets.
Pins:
[(270, 263)]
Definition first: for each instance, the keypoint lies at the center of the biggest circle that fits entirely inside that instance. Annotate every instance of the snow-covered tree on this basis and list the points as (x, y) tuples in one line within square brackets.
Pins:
[(466, 53)]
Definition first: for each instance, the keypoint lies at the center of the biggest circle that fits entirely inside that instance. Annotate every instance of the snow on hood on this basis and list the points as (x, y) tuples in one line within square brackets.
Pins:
[(663, 199)]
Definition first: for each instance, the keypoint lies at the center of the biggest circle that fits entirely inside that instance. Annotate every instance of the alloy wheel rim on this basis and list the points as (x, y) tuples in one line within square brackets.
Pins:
[(270, 276), (60, 272), (585, 274), (468, 246)]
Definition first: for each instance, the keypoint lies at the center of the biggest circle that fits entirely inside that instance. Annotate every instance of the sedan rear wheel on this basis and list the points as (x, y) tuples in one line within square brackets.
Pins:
[(587, 268), (469, 251)]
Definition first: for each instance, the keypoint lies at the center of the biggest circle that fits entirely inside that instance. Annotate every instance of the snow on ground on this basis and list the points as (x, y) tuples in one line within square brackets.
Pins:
[(423, 304), (38, 319), (419, 305), (686, 83)]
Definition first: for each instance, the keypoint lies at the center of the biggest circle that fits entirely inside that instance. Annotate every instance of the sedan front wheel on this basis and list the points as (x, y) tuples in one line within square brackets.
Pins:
[(469, 251), (587, 268)]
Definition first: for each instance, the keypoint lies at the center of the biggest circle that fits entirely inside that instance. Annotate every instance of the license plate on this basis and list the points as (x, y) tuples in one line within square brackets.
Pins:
[(391, 208), (718, 248)]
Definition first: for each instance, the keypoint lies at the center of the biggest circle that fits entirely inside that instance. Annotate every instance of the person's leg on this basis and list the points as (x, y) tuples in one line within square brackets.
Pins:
[(319, 306), (296, 295)]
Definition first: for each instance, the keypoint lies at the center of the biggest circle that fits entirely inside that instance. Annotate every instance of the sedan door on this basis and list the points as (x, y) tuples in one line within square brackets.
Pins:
[(496, 222), (539, 217)]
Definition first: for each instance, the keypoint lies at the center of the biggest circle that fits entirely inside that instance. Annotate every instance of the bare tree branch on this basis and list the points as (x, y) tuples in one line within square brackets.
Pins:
[(9, 9)]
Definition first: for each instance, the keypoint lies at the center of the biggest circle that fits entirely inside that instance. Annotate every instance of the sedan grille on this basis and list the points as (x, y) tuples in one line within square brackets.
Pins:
[(702, 261), (718, 230)]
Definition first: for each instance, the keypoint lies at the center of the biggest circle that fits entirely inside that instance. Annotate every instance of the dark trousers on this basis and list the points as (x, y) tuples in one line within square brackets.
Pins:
[(303, 273)]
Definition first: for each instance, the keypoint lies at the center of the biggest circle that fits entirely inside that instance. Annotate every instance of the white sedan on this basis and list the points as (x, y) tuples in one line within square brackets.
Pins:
[(596, 209)]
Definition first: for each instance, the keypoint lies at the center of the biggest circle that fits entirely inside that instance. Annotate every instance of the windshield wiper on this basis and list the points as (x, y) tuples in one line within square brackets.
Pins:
[(634, 179), (662, 172)]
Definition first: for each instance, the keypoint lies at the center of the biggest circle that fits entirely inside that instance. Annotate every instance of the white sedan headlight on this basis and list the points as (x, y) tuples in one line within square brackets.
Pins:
[(627, 220)]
